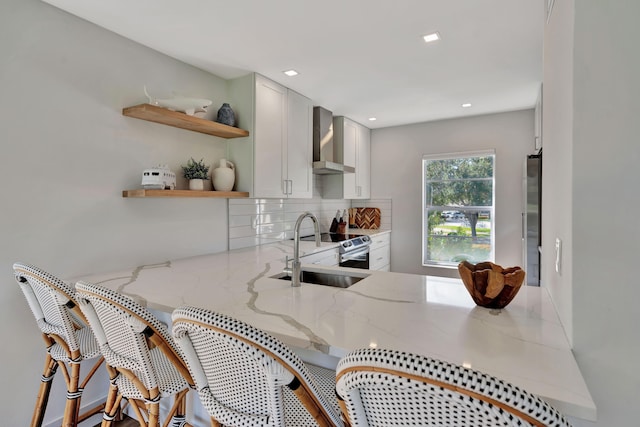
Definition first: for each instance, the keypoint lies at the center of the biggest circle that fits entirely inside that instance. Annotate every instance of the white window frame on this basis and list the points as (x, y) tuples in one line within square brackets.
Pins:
[(426, 206)]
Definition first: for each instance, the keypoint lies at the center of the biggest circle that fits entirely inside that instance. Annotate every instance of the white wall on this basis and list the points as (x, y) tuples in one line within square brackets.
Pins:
[(67, 154), (557, 163), (594, 62), (396, 164)]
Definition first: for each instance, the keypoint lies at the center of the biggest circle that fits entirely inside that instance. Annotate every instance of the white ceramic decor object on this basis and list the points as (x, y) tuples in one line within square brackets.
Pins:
[(159, 178), (223, 177), (196, 184), (189, 106)]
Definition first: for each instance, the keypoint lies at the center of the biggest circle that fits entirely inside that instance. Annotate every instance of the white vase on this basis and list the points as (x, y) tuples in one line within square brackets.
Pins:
[(196, 184), (224, 176)]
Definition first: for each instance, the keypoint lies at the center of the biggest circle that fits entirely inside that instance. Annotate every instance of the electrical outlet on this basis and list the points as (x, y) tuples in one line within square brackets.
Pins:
[(558, 255)]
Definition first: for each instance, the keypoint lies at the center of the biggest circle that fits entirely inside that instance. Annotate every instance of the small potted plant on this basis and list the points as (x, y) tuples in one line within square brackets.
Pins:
[(196, 173)]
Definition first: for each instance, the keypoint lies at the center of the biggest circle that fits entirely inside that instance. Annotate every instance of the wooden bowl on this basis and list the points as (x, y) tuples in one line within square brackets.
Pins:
[(489, 284)]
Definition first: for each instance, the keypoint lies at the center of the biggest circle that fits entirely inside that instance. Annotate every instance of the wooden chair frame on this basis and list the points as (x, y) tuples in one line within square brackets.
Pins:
[(441, 384), (70, 370), (302, 390), (442, 390), (147, 411), (223, 336)]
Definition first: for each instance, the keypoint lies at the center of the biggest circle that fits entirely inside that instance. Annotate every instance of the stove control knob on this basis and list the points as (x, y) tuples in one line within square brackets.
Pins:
[(366, 239), (346, 245)]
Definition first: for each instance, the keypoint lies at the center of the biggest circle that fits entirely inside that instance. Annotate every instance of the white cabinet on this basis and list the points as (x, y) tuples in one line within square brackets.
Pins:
[(299, 153), (330, 257), (380, 252), (270, 133), (352, 143), (277, 160)]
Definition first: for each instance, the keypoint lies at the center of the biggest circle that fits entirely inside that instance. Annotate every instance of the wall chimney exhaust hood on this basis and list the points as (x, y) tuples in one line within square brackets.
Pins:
[(325, 159)]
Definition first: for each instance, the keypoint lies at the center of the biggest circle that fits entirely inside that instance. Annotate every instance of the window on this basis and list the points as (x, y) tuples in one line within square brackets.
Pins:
[(458, 204)]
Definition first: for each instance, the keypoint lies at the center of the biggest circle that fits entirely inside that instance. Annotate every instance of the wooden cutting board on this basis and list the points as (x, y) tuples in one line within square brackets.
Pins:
[(367, 218)]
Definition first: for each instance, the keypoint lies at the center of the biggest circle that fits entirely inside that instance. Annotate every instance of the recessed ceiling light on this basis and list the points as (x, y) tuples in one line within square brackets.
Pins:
[(291, 73), (428, 38), (466, 105), (372, 119)]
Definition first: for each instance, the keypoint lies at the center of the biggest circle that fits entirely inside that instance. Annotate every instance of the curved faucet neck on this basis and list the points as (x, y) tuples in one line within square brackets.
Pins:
[(295, 265)]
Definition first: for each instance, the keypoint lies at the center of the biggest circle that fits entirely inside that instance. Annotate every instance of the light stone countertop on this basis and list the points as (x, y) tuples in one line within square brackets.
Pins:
[(523, 344)]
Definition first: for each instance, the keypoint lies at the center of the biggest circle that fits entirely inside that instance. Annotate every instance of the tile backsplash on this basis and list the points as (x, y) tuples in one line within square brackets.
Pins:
[(255, 222)]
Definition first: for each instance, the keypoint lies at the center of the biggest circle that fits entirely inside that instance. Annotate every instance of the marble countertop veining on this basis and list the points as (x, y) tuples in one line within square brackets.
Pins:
[(524, 343)]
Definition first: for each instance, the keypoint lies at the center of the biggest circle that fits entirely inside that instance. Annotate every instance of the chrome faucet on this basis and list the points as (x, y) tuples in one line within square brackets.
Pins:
[(295, 264)]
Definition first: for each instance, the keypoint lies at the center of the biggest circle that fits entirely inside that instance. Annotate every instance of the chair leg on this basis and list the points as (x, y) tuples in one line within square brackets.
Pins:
[(112, 406), (153, 411), (50, 368), (179, 410), (100, 407), (74, 393)]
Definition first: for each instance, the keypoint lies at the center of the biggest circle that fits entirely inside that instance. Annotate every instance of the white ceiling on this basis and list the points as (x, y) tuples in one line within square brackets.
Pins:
[(358, 58)]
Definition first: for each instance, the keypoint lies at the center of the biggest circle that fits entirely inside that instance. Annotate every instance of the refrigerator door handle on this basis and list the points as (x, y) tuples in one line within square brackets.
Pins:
[(523, 226)]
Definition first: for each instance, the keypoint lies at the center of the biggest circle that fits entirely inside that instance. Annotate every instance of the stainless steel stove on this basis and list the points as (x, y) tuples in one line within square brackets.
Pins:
[(354, 249)]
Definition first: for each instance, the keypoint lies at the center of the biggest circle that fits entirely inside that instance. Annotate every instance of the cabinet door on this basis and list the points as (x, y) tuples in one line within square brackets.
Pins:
[(353, 145), (363, 164), (270, 138), (380, 255), (299, 152), (349, 153)]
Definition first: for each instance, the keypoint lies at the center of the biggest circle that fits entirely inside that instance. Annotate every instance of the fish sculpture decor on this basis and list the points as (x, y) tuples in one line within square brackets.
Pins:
[(189, 106)]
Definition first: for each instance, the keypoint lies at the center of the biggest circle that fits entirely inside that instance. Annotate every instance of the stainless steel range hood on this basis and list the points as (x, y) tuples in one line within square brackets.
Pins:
[(325, 159)]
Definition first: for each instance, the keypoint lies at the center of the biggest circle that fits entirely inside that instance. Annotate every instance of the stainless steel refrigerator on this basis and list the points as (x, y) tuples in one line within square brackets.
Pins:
[(531, 218)]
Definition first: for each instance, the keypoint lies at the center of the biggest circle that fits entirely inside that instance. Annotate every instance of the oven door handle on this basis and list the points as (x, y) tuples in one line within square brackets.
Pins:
[(359, 255)]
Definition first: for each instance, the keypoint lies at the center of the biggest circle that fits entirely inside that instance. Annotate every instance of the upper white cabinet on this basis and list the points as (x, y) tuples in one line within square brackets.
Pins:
[(299, 153), (352, 143), (270, 139), (276, 160)]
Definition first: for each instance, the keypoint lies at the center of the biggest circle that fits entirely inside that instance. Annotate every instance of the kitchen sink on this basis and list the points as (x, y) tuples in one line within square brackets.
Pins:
[(335, 279)]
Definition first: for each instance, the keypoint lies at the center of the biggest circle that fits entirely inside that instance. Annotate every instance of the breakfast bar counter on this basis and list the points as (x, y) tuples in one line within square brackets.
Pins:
[(523, 343)]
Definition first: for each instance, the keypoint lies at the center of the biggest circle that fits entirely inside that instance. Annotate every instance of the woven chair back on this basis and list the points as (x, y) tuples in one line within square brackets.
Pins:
[(68, 339), (240, 372), (54, 307), (126, 332), (390, 388)]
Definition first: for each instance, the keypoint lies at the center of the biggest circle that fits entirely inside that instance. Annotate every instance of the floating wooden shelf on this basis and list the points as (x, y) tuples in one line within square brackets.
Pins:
[(184, 193), (161, 115)]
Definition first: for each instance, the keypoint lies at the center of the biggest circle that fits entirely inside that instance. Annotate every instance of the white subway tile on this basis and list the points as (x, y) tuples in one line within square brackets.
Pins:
[(269, 228), (272, 205), (236, 232), (241, 220), (247, 209)]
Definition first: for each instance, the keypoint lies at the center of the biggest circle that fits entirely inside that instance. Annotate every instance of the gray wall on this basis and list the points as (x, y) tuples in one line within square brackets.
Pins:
[(396, 162), (67, 154), (591, 128)]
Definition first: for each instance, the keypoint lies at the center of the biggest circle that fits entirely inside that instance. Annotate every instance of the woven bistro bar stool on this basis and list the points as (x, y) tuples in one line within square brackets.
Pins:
[(67, 337), (246, 377), (144, 364), (387, 388)]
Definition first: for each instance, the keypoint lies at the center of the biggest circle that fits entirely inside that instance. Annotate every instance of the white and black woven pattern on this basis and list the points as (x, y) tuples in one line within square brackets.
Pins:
[(51, 301), (241, 372), (121, 327), (392, 388), (68, 339)]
